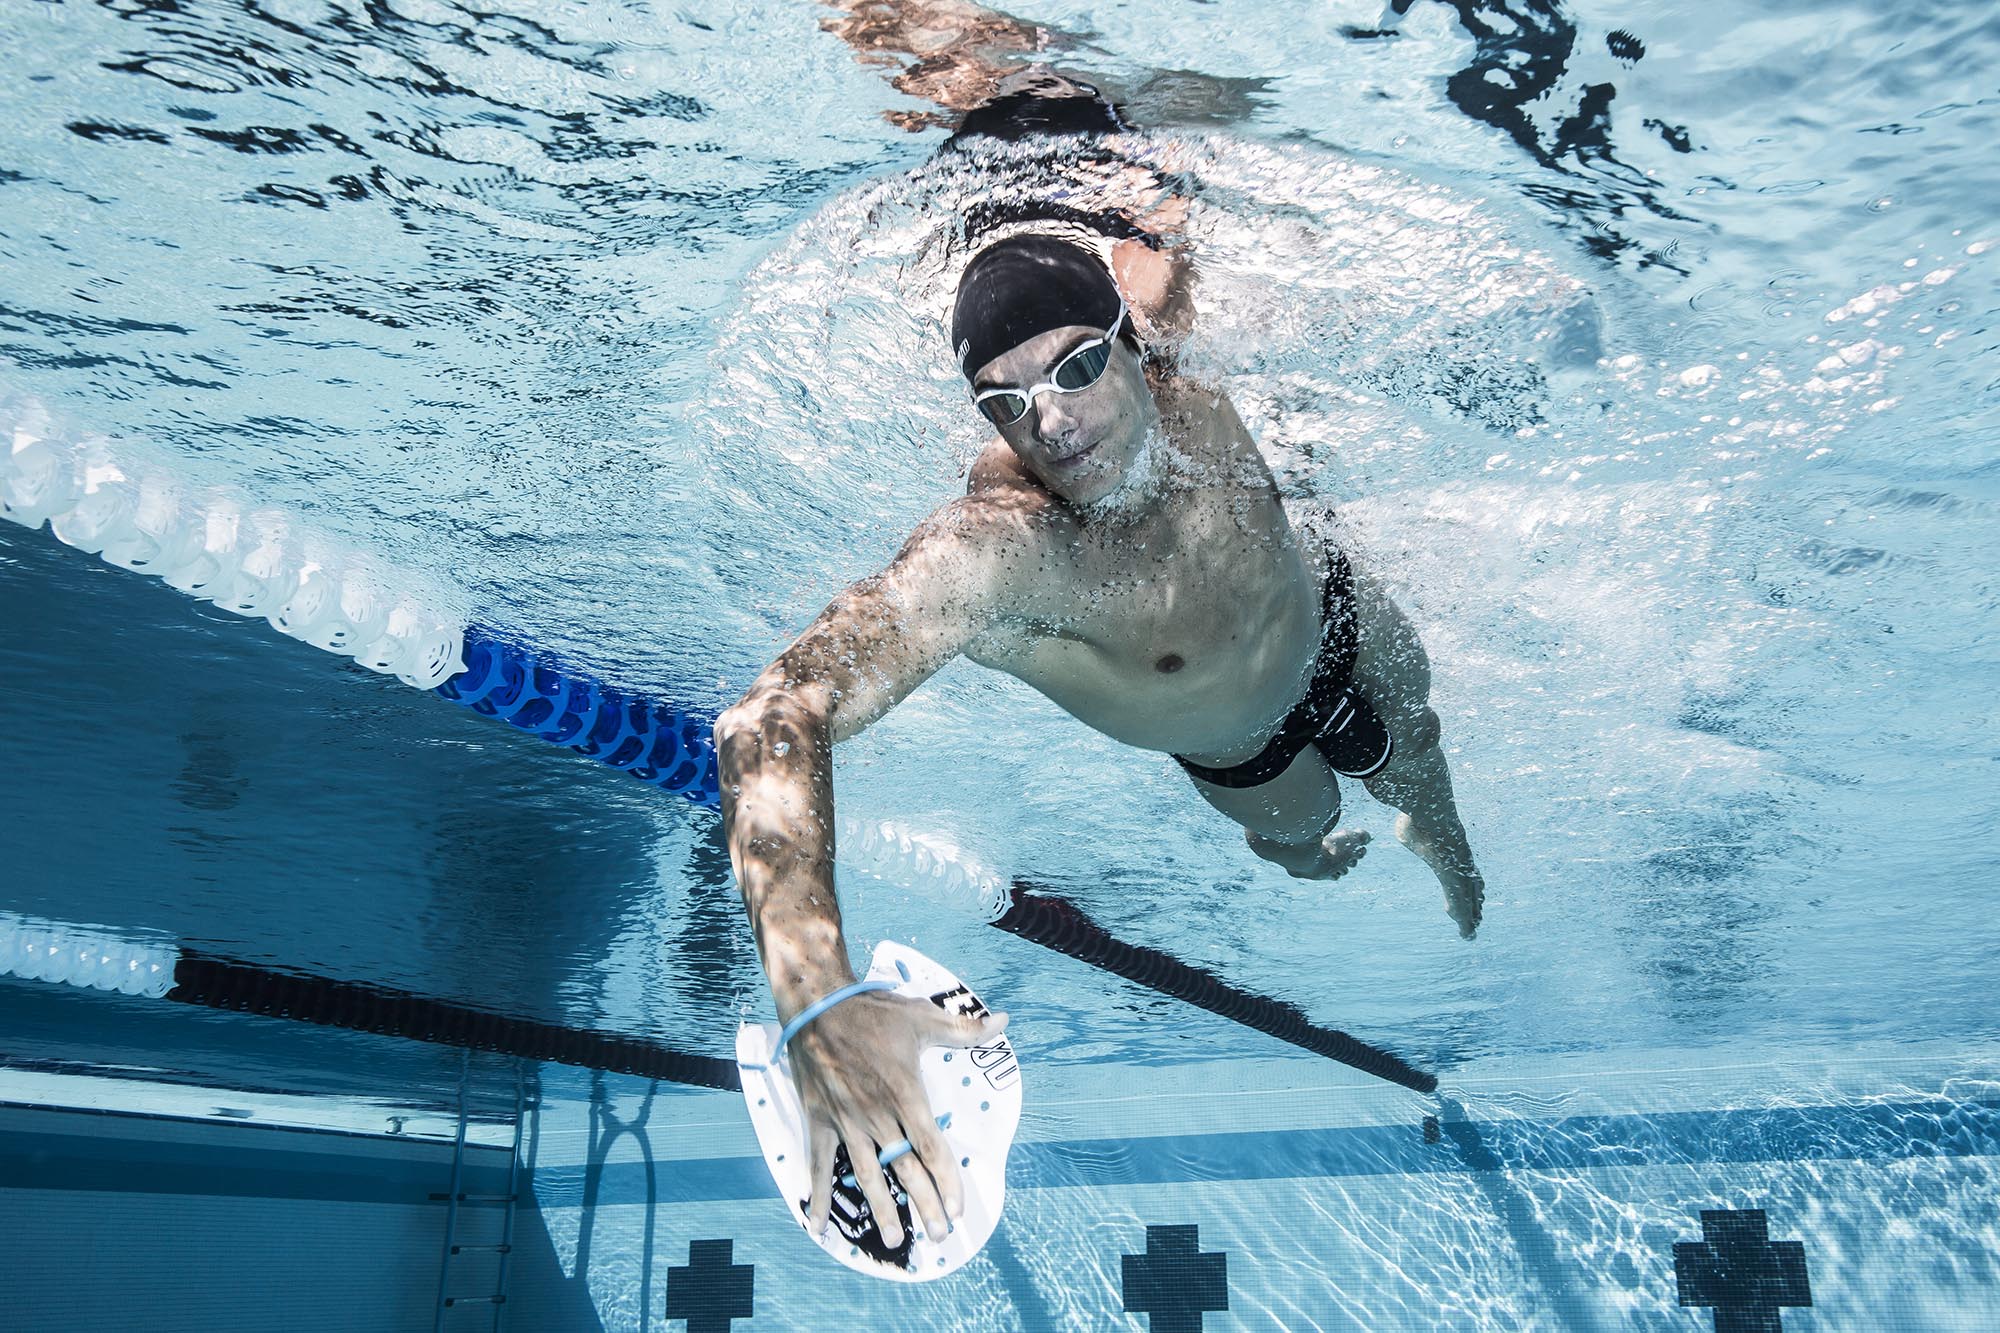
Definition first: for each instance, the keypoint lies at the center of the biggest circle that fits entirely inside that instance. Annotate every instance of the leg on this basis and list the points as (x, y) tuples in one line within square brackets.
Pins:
[(1418, 783), (1289, 820), (1394, 674)]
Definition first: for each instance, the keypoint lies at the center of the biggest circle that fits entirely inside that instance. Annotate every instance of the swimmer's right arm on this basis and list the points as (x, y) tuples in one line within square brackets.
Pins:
[(876, 642)]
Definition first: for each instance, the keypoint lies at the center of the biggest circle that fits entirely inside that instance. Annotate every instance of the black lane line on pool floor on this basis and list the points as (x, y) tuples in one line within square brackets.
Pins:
[(1174, 1283), (1542, 1262), (711, 1289), (1056, 923), (1739, 1272)]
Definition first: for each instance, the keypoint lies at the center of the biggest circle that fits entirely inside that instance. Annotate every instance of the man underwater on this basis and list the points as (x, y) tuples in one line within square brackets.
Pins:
[(1122, 548)]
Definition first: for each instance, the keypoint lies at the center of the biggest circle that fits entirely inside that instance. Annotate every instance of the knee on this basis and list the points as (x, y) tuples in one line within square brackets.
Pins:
[(1422, 732), (1285, 836)]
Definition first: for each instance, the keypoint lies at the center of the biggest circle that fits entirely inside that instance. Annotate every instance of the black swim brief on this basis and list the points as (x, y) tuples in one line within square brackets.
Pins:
[(1013, 114), (1332, 717), (1075, 111)]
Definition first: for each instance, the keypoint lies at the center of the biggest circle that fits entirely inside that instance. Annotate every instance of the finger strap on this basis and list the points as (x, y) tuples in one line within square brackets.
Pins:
[(900, 1148), (815, 1009)]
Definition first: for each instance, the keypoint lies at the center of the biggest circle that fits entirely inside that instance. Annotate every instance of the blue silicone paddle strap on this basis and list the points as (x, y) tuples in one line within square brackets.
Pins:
[(820, 1006)]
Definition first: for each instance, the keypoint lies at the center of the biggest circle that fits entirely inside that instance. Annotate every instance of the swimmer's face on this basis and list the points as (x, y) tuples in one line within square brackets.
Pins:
[(1080, 445)]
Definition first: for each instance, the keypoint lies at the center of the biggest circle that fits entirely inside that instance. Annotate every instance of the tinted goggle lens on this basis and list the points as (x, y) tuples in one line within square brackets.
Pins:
[(1082, 368), (1004, 409)]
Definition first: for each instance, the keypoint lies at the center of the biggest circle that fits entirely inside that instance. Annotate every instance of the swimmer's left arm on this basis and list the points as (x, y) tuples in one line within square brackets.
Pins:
[(1159, 286), (869, 648), (856, 1064)]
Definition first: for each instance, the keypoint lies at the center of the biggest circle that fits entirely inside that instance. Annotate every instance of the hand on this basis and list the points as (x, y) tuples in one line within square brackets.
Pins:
[(858, 1081), (1157, 284)]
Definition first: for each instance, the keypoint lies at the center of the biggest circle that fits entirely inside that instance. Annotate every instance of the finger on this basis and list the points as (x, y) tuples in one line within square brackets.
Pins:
[(919, 1169), (824, 1141), (862, 1148), (965, 1029), (940, 1179)]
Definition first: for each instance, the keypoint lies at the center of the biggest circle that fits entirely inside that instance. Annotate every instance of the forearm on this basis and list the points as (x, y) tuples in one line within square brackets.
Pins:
[(775, 754), (870, 647)]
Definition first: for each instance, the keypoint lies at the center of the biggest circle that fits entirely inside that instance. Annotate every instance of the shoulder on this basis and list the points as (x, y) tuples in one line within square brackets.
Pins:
[(998, 467), (1201, 407), (998, 521), (1001, 493), (991, 544)]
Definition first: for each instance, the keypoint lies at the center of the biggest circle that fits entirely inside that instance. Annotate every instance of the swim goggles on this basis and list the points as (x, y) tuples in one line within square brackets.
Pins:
[(1083, 367)]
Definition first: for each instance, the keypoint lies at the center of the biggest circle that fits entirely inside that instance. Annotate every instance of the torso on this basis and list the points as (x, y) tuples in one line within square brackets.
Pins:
[(1191, 630)]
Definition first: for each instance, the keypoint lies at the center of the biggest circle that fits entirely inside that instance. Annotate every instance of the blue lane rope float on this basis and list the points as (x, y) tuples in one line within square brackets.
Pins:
[(103, 497), (652, 742)]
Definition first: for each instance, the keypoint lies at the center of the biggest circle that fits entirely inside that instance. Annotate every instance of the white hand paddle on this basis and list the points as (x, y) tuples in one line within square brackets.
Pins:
[(975, 1092)]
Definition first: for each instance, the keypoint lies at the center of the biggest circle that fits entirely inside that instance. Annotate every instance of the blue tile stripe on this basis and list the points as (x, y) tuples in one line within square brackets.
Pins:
[(1876, 1131), (350, 1173)]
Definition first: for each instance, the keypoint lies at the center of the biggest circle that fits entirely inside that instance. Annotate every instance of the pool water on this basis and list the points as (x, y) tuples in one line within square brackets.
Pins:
[(1645, 351)]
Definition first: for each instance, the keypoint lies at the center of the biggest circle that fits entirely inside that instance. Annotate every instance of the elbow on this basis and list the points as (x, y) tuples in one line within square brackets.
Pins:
[(734, 721), (738, 723), (768, 722)]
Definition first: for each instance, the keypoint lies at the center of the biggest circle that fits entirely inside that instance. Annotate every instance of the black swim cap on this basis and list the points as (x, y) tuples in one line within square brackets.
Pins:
[(1024, 286)]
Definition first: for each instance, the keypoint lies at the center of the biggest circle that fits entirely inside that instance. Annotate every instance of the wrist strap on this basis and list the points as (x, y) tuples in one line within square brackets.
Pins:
[(820, 1006)]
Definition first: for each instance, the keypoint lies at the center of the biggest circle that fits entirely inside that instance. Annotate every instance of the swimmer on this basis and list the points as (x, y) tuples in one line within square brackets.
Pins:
[(1122, 548)]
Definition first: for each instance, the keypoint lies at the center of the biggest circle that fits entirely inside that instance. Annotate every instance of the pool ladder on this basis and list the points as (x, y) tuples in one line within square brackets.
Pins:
[(457, 1198)]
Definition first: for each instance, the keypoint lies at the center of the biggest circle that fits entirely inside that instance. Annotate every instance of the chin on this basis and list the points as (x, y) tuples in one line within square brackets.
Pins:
[(1103, 487)]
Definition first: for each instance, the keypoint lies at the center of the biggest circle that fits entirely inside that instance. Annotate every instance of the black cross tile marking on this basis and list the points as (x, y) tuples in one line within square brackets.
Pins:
[(710, 1291), (1174, 1282), (1742, 1273)]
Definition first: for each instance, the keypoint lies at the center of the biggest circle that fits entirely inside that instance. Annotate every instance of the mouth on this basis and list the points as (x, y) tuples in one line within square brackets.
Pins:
[(1071, 460)]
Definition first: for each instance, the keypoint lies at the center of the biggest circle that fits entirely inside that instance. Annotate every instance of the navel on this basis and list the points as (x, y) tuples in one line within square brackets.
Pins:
[(1169, 664)]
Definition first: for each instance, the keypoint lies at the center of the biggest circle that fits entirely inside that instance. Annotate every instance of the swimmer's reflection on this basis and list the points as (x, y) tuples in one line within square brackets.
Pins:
[(1522, 78)]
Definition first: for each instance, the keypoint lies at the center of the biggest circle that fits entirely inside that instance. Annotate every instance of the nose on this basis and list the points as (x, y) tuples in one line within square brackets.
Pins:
[(1054, 424)]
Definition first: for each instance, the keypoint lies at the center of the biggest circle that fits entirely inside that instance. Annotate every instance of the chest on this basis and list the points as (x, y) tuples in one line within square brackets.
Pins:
[(1176, 634)]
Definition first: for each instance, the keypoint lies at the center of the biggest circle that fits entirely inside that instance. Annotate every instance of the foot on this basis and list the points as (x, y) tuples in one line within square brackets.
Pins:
[(1464, 887), (1344, 851), (1329, 858)]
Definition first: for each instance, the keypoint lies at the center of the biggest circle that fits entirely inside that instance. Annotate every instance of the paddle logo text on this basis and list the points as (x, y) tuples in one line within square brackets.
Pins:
[(995, 1061)]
